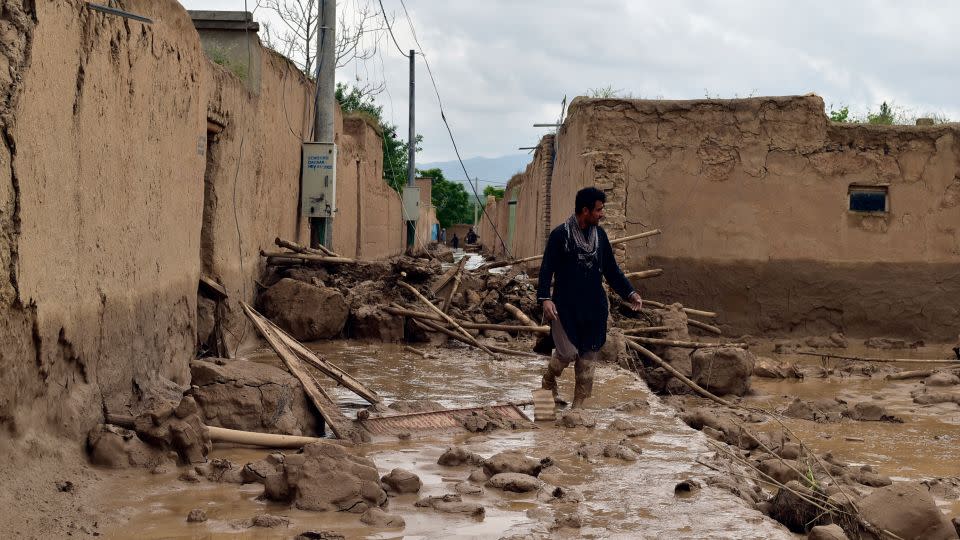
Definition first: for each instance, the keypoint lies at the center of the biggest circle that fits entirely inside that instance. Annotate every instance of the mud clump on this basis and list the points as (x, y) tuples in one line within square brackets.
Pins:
[(251, 396), (452, 504), (768, 369), (515, 482), (117, 448), (723, 370), (376, 517), (326, 477), (884, 343), (488, 420), (415, 406), (908, 511), (179, 429), (220, 470), (835, 340), (402, 481), (867, 411), (827, 532), (515, 461), (456, 456), (576, 418), (821, 410), (197, 515), (798, 507), (941, 378), (306, 312), (371, 322)]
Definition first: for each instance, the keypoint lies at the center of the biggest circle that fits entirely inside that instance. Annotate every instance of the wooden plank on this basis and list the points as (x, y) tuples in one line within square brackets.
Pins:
[(324, 366), (688, 311), (218, 290), (309, 257), (293, 246), (339, 424), (684, 344)]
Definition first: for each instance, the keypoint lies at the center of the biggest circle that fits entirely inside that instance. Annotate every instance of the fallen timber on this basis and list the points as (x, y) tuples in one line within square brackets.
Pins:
[(283, 257), (467, 324), (293, 246), (885, 360), (918, 374), (645, 330), (328, 408), (688, 311), (430, 326), (449, 320), (645, 274), (501, 264), (684, 344)]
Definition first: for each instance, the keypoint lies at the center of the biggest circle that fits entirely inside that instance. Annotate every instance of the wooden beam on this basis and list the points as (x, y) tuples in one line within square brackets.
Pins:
[(449, 320), (688, 311), (684, 344)]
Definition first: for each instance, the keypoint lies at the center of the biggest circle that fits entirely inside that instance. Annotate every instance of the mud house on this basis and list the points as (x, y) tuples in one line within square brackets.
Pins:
[(781, 220), (134, 163)]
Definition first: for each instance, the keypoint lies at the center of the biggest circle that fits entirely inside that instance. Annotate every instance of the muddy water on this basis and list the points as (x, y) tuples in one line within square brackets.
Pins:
[(623, 499), (926, 445)]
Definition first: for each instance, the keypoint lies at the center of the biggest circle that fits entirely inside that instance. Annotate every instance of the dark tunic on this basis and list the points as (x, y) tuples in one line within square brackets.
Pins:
[(578, 291)]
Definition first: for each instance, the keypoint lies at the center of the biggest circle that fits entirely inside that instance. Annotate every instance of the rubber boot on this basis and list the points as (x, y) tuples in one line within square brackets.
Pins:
[(583, 370), (553, 370)]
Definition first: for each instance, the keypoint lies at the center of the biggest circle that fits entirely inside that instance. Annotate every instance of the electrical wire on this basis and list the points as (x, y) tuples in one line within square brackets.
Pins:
[(453, 141), (387, 20)]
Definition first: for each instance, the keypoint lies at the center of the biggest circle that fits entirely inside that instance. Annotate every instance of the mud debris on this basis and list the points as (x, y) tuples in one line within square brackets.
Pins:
[(452, 504)]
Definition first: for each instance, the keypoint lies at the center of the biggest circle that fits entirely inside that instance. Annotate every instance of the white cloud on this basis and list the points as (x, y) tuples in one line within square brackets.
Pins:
[(503, 65)]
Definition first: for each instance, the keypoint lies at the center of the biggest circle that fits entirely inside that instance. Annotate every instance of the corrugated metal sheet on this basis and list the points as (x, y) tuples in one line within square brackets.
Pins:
[(448, 419)]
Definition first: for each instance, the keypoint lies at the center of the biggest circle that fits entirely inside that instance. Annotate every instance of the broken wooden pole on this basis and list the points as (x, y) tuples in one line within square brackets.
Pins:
[(452, 292), (416, 351), (431, 326), (673, 371), (282, 256), (293, 246), (688, 311), (449, 320), (338, 423), (329, 369), (885, 360), (646, 330), (447, 276), (704, 326), (644, 274), (501, 264), (519, 315), (267, 440), (466, 324), (684, 344)]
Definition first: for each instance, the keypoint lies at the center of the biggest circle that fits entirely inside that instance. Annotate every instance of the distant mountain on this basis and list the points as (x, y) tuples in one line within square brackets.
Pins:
[(491, 171)]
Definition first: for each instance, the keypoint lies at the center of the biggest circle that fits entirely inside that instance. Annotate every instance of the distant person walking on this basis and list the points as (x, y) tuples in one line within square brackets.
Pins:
[(471, 236), (443, 237), (455, 242), (577, 256)]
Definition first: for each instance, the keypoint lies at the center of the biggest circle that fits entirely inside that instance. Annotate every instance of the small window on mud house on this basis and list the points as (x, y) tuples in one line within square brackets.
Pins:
[(869, 198)]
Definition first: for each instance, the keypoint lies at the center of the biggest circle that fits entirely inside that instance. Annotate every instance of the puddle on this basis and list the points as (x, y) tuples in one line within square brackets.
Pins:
[(620, 498)]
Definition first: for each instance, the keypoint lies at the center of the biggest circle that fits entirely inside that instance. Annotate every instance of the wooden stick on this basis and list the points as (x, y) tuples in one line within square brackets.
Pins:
[(448, 275), (431, 326), (645, 274), (466, 324), (268, 440), (415, 351), (451, 293), (870, 359), (324, 366), (657, 360), (276, 256), (519, 315), (646, 330), (704, 326), (293, 246), (688, 311), (449, 320), (684, 344), (644, 234), (501, 264), (325, 406)]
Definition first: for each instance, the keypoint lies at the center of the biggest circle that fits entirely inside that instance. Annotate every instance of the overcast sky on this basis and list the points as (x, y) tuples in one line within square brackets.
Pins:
[(502, 65)]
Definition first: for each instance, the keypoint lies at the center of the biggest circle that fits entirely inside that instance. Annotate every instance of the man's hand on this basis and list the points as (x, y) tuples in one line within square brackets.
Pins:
[(550, 310), (636, 303)]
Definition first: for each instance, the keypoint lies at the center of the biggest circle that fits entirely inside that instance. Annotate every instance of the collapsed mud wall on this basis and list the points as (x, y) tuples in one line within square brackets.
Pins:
[(752, 196), (131, 165)]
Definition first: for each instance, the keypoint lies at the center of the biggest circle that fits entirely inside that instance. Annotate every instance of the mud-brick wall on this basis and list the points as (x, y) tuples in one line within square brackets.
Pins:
[(752, 197), (530, 189), (130, 165), (101, 181)]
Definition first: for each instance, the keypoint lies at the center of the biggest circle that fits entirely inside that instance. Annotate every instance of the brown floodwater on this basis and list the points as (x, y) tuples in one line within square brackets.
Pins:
[(621, 499), (924, 446)]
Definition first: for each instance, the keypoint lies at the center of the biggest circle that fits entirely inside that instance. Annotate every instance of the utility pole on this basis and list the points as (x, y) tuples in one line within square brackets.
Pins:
[(321, 228), (476, 198), (412, 151)]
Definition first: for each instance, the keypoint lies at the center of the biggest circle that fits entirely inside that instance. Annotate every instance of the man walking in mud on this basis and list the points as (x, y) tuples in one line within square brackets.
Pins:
[(577, 255)]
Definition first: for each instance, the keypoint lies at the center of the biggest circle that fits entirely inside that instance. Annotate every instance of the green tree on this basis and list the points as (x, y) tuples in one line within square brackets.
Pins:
[(840, 115), (886, 116), (354, 99), (495, 191), (449, 198)]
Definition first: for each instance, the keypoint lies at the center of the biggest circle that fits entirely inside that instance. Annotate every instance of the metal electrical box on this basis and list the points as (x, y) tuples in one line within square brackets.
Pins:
[(319, 179), (411, 203)]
